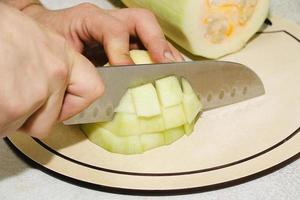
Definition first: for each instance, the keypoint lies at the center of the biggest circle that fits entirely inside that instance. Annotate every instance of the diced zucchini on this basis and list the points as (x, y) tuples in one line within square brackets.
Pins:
[(146, 101), (191, 103), (186, 87), (143, 120), (192, 106), (174, 134), (123, 124), (189, 127), (132, 145), (107, 140), (126, 104), (151, 124), (140, 57), (174, 116), (152, 140), (169, 91)]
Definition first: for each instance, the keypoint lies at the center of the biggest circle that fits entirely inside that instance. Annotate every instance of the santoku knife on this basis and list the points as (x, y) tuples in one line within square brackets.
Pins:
[(217, 83)]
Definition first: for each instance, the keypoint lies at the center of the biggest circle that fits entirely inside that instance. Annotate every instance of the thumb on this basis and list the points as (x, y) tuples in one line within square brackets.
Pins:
[(85, 86)]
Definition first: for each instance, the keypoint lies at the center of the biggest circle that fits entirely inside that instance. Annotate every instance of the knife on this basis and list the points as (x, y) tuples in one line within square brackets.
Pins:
[(217, 83)]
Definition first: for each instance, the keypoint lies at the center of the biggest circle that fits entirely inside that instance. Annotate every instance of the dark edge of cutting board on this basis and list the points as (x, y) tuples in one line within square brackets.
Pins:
[(115, 190)]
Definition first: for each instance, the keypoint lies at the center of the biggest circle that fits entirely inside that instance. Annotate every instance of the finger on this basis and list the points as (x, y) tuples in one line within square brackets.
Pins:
[(143, 24), (84, 87), (177, 55), (114, 37), (116, 47), (40, 123)]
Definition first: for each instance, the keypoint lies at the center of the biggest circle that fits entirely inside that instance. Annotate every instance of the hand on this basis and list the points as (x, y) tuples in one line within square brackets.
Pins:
[(43, 80), (114, 29)]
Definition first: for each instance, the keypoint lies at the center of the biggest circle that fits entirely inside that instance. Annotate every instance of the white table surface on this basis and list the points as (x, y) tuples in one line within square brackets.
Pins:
[(20, 181)]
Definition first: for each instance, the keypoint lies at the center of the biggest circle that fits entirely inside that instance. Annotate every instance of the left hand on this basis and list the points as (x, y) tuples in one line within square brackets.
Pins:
[(87, 23)]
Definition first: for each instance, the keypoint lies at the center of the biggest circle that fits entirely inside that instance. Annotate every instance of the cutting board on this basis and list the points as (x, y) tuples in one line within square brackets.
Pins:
[(230, 145)]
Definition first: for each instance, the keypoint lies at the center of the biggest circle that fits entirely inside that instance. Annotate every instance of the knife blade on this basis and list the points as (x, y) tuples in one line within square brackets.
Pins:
[(217, 83)]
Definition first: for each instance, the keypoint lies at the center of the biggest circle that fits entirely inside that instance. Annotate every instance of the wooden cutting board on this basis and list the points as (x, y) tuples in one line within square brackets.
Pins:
[(230, 145)]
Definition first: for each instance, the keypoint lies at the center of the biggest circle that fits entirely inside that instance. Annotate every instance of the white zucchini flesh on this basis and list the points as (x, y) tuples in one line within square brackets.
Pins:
[(146, 101), (169, 91), (208, 28), (148, 116)]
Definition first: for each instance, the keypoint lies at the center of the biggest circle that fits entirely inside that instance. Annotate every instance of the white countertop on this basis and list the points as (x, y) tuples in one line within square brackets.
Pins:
[(20, 181)]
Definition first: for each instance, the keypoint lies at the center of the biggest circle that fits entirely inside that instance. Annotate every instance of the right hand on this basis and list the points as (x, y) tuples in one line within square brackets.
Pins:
[(118, 30), (42, 80)]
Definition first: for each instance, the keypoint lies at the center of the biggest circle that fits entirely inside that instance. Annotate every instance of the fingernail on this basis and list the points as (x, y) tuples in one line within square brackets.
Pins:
[(169, 56)]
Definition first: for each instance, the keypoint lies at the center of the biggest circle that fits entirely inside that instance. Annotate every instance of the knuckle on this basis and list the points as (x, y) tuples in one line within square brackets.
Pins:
[(118, 28), (15, 109), (96, 91), (59, 71), (99, 90)]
